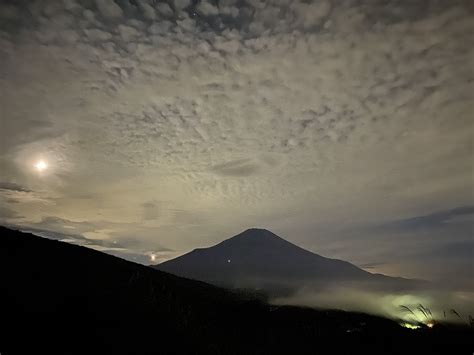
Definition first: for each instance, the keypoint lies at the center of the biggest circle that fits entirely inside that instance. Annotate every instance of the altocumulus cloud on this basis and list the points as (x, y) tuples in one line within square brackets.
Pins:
[(294, 116)]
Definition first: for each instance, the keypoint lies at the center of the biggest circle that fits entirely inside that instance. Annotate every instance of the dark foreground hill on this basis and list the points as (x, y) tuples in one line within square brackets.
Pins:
[(259, 259), (57, 298)]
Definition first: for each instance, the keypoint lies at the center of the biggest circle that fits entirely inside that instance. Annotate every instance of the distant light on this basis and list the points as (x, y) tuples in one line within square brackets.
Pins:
[(152, 257), (41, 165), (430, 325), (410, 326), (228, 260)]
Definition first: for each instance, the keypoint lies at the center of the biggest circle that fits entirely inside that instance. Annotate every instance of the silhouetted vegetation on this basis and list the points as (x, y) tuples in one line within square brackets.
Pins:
[(58, 298)]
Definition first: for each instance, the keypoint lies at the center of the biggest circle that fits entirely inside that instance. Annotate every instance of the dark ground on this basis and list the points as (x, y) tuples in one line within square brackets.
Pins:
[(57, 298)]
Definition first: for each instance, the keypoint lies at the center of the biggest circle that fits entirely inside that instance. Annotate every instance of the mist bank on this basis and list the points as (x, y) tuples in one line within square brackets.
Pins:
[(418, 305)]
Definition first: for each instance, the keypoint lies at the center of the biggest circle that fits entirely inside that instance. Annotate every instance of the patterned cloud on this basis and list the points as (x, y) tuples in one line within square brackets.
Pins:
[(180, 123)]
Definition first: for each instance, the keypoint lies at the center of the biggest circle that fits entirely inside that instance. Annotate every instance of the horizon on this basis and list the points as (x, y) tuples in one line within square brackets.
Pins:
[(52, 236), (154, 258), (145, 129), (392, 301)]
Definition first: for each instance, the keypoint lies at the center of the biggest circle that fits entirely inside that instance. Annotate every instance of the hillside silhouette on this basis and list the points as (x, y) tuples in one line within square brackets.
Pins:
[(58, 298)]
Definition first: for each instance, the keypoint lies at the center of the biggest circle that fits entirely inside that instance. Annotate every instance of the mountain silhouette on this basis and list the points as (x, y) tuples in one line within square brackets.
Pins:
[(59, 298), (260, 259)]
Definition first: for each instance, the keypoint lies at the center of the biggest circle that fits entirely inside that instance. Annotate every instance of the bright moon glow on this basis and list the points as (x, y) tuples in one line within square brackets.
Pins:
[(41, 165)]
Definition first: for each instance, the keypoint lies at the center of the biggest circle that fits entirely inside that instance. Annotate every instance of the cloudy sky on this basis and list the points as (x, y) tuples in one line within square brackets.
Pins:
[(343, 126)]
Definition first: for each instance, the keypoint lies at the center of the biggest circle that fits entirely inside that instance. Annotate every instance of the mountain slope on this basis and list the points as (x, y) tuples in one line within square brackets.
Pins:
[(58, 298), (56, 294), (258, 258)]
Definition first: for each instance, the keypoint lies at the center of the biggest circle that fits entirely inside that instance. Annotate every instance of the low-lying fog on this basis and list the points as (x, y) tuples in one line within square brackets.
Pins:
[(420, 305)]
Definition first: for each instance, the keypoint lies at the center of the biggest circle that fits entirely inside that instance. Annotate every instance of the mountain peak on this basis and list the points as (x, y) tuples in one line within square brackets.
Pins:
[(257, 257), (255, 237), (257, 232)]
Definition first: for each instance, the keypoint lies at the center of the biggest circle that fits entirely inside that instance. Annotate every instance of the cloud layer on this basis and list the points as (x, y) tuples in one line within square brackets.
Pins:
[(179, 123)]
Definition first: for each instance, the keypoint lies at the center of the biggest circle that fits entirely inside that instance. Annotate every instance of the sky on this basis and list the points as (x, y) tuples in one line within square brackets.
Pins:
[(149, 128)]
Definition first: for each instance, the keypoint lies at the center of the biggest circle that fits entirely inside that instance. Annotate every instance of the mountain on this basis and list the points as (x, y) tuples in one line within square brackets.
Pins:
[(59, 298), (259, 259)]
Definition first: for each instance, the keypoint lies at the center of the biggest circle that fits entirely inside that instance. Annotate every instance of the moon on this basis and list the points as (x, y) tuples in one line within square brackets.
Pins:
[(41, 165)]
